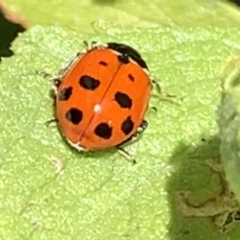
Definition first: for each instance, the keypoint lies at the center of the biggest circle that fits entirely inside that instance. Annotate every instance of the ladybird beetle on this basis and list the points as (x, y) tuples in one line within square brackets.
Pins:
[(102, 96)]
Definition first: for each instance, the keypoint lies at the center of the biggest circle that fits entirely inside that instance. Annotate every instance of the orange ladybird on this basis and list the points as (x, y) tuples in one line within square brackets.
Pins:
[(102, 96)]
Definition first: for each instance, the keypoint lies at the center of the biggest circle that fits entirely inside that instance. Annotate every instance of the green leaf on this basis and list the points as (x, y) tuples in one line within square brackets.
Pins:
[(79, 15), (229, 122), (100, 195)]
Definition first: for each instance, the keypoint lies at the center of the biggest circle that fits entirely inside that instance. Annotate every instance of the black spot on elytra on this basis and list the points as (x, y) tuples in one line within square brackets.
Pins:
[(74, 115), (131, 77), (103, 130), (123, 58), (65, 94), (128, 51), (88, 82), (127, 125), (123, 100), (103, 63)]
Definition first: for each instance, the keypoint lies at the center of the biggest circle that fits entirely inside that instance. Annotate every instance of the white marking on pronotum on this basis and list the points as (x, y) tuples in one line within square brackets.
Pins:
[(131, 60)]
